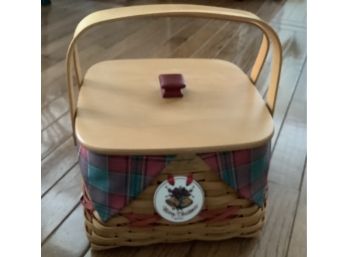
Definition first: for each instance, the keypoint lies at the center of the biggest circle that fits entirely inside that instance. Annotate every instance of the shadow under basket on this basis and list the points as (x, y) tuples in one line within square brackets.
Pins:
[(197, 129)]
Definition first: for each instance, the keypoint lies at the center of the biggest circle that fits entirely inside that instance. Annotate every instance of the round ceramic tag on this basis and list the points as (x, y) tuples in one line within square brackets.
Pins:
[(178, 199)]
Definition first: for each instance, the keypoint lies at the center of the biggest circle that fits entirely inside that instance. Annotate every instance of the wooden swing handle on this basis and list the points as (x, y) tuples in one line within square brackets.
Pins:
[(201, 11)]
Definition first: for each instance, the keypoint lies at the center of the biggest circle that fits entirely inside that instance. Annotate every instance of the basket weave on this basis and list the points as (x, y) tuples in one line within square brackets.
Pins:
[(224, 215)]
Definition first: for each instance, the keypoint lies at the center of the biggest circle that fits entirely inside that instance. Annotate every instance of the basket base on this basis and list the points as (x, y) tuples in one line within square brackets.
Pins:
[(103, 237)]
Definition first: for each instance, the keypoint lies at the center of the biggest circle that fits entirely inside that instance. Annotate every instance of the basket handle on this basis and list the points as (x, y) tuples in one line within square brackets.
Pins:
[(114, 14)]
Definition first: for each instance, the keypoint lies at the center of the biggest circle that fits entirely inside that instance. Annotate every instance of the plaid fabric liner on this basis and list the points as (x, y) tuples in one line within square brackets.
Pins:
[(113, 181), (245, 171)]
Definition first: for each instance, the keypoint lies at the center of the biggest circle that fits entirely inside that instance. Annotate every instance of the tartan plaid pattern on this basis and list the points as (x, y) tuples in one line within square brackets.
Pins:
[(113, 181), (245, 171)]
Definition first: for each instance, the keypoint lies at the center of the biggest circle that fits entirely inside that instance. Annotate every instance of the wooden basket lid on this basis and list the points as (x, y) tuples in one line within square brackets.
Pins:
[(120, 109)]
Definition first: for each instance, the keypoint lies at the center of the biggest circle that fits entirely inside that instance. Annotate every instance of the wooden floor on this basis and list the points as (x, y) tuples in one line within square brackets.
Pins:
[(62, 229)]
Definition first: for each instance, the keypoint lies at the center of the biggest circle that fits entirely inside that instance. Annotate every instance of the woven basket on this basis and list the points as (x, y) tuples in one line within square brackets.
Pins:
[(225, 215), (222, 112)]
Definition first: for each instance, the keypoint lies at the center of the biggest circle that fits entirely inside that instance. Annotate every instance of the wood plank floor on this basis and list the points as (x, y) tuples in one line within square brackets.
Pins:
[(62, 230)]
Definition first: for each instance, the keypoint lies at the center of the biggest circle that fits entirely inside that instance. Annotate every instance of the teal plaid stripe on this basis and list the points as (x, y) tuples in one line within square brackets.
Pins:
[(258, 168), (227, 172), (259, 197), (136, 181), (98, 178), (104, 211)]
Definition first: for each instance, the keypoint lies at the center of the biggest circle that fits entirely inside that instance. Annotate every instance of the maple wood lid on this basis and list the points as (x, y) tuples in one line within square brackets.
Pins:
[(120, 109)]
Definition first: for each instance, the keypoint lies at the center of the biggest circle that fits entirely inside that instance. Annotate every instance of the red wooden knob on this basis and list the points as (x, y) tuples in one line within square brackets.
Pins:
[(171, 85)]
